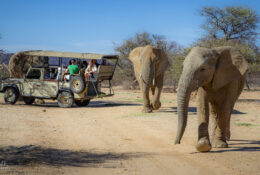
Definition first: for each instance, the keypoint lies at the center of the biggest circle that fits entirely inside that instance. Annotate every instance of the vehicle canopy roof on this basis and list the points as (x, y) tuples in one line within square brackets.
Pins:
[(69, 54)]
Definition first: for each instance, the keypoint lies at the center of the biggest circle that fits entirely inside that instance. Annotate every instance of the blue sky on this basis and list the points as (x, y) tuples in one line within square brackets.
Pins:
[(97, 25)]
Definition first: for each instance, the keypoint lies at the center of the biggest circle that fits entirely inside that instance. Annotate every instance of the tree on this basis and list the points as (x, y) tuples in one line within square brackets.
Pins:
[(232, 26), (232, 22), (125, 69)]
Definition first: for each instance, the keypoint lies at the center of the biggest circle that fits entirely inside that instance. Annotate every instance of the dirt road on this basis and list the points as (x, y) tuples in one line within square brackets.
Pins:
[(112, 136)]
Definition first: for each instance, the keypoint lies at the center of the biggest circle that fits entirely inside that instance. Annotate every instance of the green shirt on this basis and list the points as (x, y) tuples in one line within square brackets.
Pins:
[(74, 69)]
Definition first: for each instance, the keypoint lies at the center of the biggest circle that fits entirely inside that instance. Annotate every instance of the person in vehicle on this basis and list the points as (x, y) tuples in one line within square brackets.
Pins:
[(47, 74), (105, 62), (79, 63), (61, 70), (72, 70), (84, 67), (91, 70), (96, 63)]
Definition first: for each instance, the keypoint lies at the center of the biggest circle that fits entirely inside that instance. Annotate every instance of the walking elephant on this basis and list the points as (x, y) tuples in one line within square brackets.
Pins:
[(219, 76), (150, 64)]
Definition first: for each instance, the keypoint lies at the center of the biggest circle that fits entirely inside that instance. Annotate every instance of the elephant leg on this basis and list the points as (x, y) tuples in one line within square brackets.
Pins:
[(203, 143), (213, 120), (146, 106), (234, 90), (156, 104), (227, 128), (223, 121), (145, 92)]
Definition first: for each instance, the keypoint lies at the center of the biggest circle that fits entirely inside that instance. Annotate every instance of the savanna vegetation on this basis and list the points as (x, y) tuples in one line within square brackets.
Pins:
[(229, 26)]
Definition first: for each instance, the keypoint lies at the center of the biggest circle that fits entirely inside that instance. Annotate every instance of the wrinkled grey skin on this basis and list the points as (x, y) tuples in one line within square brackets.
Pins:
[(150, 64), (219, 75)]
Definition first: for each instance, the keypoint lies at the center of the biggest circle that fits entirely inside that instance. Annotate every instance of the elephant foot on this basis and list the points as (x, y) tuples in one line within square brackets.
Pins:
[(228, 136), (203, 145), (147, 110), (156, 105), (219, 144)]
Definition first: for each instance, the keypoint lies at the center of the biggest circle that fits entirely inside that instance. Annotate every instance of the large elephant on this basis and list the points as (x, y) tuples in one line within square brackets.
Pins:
[(150, 64), (219, 76)]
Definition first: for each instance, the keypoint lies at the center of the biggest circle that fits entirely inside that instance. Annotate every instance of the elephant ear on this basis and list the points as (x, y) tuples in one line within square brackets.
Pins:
[(161, 61), (230, 65), (135, 54)]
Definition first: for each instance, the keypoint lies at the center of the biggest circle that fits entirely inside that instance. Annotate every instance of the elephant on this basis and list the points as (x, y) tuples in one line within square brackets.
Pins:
[(150, 64), (219, 76)]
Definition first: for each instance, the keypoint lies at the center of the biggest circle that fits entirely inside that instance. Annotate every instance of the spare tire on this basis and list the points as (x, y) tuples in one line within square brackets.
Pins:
[(77, 84)]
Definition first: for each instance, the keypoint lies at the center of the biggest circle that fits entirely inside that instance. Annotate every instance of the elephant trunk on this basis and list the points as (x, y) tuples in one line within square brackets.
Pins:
[(183, 96), (147, 74)]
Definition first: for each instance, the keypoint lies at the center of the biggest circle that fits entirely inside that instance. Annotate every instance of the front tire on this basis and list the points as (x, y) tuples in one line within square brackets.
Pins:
[(28, 100), (65, 99), (82, 103), (11, 95)]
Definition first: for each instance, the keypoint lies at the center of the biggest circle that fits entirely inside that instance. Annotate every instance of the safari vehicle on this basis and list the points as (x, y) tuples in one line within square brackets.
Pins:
[(41, 81)]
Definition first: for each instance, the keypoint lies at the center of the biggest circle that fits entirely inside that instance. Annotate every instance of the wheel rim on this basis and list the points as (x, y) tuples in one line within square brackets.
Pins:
[(9, 95), (65, 100), (76, 84)]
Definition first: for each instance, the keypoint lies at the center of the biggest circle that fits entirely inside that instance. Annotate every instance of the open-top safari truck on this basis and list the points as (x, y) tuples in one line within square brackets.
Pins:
[(41, 81)]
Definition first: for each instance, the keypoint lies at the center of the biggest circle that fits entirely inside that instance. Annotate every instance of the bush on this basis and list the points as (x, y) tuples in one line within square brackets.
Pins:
[(4, 72)]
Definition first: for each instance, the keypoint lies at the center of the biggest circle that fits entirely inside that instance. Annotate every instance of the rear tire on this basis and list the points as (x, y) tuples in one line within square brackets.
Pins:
[(82, 103), (77, 84), (28, 100), (11, 95), (65, 99)]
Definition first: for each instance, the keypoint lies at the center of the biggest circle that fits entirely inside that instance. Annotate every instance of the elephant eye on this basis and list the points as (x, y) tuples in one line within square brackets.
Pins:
[(202, 69)]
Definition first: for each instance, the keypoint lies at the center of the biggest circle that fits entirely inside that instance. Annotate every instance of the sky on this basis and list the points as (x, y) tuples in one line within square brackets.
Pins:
[(98, 26)]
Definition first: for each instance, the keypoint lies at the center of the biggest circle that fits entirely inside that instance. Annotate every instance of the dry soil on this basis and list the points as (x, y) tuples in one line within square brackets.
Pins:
[(112, 136)]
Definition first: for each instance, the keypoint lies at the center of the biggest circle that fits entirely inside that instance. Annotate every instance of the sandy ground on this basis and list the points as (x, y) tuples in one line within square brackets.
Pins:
[(112, 136)]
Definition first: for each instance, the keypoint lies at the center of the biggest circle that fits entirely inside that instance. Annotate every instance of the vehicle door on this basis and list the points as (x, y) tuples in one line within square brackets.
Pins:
[(32, 85), (50, 85)]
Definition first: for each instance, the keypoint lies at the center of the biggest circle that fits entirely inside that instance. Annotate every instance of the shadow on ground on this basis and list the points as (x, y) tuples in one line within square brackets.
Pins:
[(237, 146), (97, 104), (193, 110), (249, 100), (30, 154), (92, 104)]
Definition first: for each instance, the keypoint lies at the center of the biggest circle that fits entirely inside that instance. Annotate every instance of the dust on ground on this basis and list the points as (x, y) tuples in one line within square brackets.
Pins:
[(112, 136)]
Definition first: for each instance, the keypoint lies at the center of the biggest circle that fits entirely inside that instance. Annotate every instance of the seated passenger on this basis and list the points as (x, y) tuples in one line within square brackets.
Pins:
[(72, 70), (104, 62), (61, 70), (91, 70), (52, 73), (46, 74), (84, 67)]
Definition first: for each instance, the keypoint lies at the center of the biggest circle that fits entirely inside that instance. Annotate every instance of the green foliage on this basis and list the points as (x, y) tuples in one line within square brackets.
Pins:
[(232, 22), (246, 124), (4, 72), (174, 71), (232, 26)]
